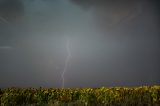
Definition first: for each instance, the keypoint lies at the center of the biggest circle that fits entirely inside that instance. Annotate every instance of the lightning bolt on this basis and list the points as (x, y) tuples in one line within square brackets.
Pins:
[(4, 20), (6, 47), (66, 61)]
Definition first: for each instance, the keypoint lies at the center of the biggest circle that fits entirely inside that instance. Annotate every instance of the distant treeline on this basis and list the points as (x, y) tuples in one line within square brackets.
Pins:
[(115, 96)]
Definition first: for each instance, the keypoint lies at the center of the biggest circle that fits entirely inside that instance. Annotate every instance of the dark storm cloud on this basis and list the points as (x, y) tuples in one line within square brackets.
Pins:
[(116, 12), (84, 3), (131, 29), (90, 3), (11, 9), (30, 28), (113, 43)]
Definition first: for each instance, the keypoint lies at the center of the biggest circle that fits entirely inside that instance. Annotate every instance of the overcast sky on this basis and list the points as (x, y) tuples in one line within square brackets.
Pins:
[(112, 43)]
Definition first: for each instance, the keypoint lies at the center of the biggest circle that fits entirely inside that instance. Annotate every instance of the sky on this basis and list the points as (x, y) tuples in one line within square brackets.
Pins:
[(90, 43)]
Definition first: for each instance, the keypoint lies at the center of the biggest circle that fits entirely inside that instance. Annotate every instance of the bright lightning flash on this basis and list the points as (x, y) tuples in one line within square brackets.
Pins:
[(66, 61)]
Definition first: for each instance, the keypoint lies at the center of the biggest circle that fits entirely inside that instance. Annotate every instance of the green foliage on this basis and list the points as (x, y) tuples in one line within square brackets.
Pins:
[(116, 96)]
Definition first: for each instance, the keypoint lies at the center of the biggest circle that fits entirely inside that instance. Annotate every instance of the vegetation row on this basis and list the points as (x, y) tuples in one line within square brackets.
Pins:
[(115, 96)]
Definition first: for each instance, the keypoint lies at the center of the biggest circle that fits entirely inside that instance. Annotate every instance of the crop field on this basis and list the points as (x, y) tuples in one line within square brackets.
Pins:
[(104, 96)]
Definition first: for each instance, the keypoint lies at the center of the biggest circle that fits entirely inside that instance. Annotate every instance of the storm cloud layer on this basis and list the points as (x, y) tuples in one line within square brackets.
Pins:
[(113, 43)]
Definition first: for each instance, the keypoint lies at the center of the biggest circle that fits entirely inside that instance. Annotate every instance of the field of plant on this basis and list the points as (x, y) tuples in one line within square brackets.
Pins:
[(116, 96)]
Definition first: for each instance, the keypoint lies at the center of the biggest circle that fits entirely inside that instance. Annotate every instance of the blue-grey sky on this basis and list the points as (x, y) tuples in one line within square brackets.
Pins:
[(112, 43)]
